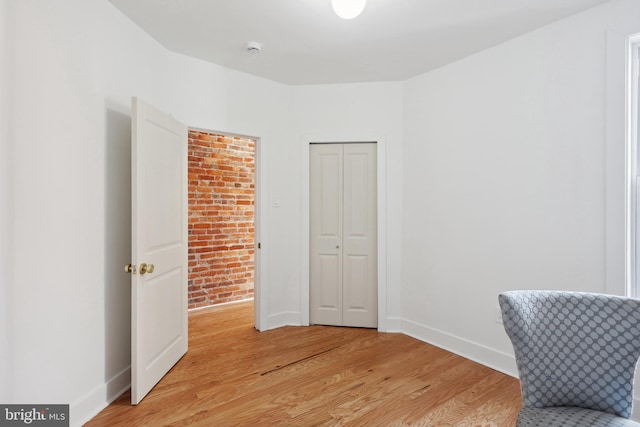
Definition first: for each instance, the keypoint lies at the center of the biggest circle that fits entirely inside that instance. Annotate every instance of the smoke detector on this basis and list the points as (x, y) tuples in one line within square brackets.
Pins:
[(254, 47)]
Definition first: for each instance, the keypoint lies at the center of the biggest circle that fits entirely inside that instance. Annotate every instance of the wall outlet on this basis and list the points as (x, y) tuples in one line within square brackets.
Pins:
[(498, 315)]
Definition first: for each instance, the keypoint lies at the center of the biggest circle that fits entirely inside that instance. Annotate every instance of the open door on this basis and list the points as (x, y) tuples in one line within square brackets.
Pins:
[(159, 246)]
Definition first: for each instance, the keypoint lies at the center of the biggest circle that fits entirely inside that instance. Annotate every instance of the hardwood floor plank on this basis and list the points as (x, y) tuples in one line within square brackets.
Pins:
[(315, 376)]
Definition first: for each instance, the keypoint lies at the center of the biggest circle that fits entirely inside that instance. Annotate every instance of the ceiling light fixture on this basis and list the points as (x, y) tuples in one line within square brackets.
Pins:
[(348, 9)]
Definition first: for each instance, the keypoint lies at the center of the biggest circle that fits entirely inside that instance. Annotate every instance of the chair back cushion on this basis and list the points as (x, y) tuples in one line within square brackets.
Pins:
[(574, 349)]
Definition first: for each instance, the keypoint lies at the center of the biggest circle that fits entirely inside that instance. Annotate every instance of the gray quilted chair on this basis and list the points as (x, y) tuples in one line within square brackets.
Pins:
[(576, 355)]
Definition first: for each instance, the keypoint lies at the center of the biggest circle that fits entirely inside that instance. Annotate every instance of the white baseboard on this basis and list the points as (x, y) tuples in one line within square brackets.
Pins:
[(95, 401), (393, 324), (287, 318), (489, 357)]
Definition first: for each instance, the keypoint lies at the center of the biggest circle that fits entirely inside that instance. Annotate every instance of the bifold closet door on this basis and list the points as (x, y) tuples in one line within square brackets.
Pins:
[(343, 227)]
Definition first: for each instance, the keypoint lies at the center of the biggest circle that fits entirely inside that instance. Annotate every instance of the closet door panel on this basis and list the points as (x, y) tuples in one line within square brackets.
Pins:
[(326, 224)]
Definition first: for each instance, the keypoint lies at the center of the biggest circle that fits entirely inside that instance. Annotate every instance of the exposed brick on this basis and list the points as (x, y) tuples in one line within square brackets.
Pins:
[(221, 213)]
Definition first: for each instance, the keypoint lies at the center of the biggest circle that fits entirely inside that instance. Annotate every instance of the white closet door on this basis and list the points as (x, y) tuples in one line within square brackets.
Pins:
[(360, 267), (326, 172), (343, 225)]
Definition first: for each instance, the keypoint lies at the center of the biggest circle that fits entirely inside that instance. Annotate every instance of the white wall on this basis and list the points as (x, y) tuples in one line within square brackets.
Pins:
[(5, 212), (505, 179)]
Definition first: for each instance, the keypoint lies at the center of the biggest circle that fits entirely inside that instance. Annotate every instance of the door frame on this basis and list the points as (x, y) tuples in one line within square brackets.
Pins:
[(381, 153), (260, 260), (619, 223)]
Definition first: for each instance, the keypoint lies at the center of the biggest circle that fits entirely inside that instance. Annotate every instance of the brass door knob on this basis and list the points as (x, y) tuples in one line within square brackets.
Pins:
[(128, 268), (146, 268)]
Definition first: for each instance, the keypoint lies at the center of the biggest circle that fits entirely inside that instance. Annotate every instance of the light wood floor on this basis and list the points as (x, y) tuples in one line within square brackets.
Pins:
[(315, 376)]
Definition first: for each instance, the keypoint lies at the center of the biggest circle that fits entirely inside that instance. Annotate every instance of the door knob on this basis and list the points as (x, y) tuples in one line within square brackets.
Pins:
[(128, 268), (146, 268)]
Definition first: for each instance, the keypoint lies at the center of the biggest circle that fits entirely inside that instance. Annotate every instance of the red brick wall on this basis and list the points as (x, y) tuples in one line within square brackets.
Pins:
[(221, 218)]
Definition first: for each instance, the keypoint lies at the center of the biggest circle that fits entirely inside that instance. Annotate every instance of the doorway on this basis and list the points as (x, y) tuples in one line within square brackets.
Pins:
[(384, 324), (221, 226)]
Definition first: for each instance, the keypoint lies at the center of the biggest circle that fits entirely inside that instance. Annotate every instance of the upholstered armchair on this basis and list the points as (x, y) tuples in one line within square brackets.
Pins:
[(576, 355)]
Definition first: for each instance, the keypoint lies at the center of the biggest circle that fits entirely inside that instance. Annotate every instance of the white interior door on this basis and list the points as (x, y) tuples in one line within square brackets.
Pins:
[(343, 240), (360, 253), (325, 265), (159, 246)]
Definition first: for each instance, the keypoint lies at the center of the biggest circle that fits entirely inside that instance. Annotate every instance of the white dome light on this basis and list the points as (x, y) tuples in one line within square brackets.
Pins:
[(348, 9)]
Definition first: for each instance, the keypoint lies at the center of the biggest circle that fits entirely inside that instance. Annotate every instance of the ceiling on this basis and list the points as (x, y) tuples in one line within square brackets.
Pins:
[(304, 42)]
